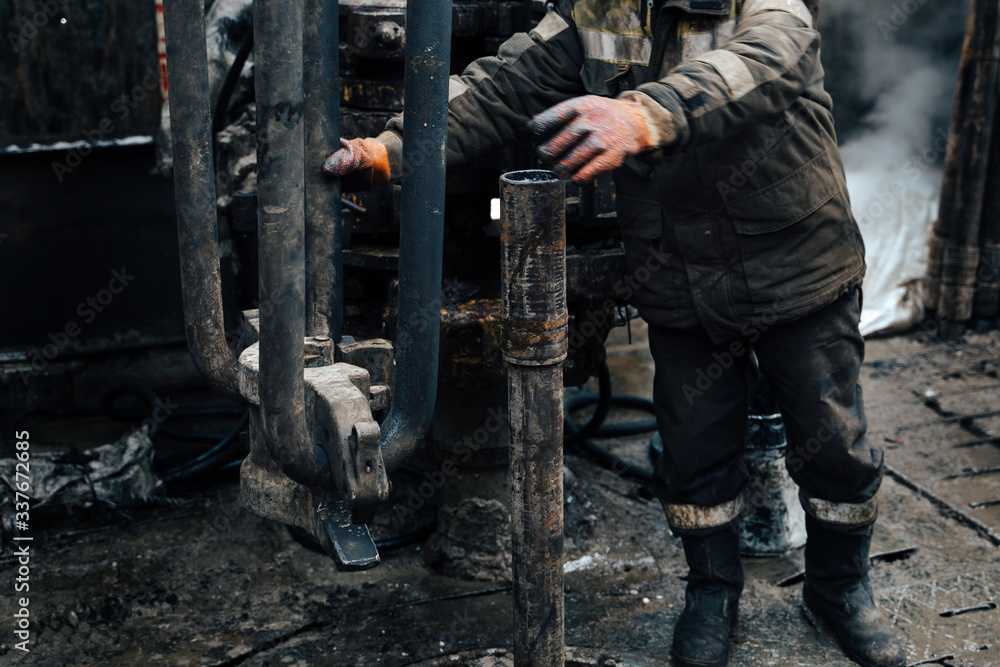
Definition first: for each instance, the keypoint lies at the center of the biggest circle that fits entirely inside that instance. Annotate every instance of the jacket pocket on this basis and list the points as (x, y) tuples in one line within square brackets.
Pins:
[(654, 270), (786, 201), (609, 79), (798, 242)]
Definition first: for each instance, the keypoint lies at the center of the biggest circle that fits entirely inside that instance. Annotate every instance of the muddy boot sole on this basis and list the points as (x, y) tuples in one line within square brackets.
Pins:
[(680, 661), (824, 626)]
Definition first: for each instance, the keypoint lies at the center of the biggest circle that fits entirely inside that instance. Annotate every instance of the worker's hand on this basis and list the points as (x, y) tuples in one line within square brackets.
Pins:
[(590, 135), (361, 164)]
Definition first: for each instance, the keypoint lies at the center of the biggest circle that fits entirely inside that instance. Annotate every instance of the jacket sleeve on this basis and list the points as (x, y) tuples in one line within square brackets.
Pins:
[(490, 103), (760, 71)]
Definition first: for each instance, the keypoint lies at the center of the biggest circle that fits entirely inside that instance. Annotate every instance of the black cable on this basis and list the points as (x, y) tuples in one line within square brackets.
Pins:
[(229, 85), (149, 402), (604, 400), (406, 539), (610, 461), (196, 436), (208, 460), (199, 436), (602, 430), (207, 412), (147, 397)]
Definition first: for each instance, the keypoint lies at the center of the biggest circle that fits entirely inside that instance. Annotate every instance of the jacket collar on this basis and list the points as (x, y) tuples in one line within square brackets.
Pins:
[(714, 7)]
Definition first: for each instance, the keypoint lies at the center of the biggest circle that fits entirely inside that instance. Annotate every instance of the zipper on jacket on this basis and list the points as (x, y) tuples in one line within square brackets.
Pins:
[(646, 13), (663, 28)]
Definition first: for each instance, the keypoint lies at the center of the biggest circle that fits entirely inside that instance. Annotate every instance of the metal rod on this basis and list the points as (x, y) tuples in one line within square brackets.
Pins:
[(281, 232), (194, 192), (966, 163), (533, 321), (321, 79), (421, 239)]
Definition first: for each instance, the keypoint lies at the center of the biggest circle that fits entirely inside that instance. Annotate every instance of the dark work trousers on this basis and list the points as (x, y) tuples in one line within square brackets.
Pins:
[(701, 391)]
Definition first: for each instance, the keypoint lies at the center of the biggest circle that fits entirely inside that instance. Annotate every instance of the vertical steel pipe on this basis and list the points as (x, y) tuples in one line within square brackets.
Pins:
[(194, 190), (534, 321), (966, 164), (281, 233), (321, 80), (421, 238)]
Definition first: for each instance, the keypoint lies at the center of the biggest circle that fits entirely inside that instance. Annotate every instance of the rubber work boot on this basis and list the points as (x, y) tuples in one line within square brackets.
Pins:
[(711, 598), (837, 593)]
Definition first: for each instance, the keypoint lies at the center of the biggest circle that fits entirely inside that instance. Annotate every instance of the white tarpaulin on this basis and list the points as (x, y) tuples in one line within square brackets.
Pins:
[(894, 180), (896, 220)]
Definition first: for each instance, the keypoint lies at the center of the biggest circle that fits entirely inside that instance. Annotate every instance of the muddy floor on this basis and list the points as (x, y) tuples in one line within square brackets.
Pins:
[(198, 580)]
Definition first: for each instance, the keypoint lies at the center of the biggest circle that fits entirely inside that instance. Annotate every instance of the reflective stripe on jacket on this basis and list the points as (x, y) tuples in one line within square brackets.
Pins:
[(741, 219)]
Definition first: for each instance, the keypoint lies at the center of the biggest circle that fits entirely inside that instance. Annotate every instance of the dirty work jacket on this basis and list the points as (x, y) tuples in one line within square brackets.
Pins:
[(741, 218)]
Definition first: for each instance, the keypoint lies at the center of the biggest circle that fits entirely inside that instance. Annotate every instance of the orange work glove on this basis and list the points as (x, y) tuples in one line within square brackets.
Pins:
[(590, 135), (361, 164)]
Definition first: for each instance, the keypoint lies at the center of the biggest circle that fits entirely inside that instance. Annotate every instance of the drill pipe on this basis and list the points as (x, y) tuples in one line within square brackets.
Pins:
[(194, 192), (534, 343), (966, 166), (281, 232), (321, 79)]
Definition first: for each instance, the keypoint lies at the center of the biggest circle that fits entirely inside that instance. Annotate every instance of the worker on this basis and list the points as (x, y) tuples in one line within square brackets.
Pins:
[(740, 244)]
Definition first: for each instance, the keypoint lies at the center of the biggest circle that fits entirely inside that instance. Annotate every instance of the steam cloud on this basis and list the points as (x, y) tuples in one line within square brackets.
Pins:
[(892, 70)]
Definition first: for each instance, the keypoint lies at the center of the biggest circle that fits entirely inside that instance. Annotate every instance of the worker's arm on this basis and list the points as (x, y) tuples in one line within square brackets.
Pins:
[(759, 72), (489, 104)]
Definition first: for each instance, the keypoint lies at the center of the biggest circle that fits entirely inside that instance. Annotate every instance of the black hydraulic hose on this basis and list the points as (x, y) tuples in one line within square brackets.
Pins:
[(229, 85), (146, 397), (405, 539), (600, 414), (197, 436), (604, 400), (602, 430), (612, 462), (150, 402), (208, 460), (421, 239)]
